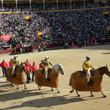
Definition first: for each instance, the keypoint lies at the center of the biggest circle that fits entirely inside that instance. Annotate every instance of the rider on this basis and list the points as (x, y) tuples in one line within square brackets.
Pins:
[(15, 62), (46, 65), (86, 68)]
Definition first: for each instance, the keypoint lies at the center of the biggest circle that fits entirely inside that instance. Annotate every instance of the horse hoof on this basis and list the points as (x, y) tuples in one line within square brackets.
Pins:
[(71, 91), (104, 96), (52, 90), (39, 89), (25, 88), (92, 95), (78, 95), (58, 91), (17, 88), (12, 85)]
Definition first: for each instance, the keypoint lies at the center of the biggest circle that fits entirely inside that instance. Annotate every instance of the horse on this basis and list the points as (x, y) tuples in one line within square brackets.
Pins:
[(78, 81), (20, 75), (53, 76)]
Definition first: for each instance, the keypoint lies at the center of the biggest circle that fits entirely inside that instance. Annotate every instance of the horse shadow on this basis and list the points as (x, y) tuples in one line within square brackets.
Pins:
[(47, 102), (17, 94), (2, 91), (106, 53)]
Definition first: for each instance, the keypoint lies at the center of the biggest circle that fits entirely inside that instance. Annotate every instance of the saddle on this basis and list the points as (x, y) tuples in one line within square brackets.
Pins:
[(49, 71), (92, 74), (84, 73), (43, 72), (21, 68)]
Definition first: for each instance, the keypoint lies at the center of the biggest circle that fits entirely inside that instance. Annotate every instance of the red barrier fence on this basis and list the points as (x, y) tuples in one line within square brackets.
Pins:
[(11, 50), (7, 51)]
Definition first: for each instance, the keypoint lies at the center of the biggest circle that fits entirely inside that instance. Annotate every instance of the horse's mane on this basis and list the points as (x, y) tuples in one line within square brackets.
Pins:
[(20, 67), (100, 67)]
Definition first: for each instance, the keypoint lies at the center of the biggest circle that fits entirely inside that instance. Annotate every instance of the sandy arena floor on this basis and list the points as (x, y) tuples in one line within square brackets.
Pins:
[(72, 59)]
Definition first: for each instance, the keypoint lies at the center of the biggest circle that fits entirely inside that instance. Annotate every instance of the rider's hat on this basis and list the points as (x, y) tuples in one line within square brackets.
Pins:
[(46, 57), (27, 60), (87, 57), (33, 62), (16, 56), (3, 60)]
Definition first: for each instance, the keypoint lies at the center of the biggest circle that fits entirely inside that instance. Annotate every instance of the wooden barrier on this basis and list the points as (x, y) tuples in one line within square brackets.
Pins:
[(35, 47)]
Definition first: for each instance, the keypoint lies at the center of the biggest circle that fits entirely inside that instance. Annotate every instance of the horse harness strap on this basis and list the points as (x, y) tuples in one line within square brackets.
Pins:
[(59, 69)]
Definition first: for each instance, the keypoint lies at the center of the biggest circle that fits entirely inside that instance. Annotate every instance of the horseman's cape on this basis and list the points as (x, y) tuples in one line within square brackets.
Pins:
[(53, 76)]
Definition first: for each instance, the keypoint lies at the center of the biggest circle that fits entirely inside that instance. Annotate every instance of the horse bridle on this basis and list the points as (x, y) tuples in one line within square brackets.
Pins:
[(60, 69)]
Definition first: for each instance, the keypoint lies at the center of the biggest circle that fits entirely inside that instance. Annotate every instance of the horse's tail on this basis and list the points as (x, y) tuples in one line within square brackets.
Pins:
[(70, 81)]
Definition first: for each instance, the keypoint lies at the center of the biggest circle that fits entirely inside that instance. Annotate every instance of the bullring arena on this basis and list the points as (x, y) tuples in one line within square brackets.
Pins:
[(45, 99)]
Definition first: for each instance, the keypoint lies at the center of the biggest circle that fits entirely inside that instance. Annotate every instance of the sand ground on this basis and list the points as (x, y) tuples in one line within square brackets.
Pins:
[(71, 59)]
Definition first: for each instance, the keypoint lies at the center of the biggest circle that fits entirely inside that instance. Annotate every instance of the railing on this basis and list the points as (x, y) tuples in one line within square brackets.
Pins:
[(94, 8)]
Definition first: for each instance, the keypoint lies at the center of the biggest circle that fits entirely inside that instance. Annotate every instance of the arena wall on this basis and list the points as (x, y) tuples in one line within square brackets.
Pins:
[(35, 47), (48, 1)]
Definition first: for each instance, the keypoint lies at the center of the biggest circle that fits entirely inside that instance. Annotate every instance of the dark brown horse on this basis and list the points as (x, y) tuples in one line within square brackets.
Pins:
[(20, 75), (78, 81)]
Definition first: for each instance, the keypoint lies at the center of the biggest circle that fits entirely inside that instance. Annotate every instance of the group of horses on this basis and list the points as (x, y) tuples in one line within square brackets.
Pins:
[(78, 80)]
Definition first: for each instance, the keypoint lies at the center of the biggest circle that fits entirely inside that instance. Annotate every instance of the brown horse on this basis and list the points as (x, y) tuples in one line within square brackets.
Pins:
[(20, 75), (78, 81), (53, 76)]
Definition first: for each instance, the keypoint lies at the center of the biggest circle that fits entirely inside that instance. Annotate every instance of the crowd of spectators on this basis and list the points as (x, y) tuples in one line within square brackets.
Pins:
[(57, 27)]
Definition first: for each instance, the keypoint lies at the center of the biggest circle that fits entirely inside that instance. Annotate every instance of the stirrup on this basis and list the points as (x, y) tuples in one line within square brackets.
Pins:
[(90, 83), (13, 75), (47, 80)]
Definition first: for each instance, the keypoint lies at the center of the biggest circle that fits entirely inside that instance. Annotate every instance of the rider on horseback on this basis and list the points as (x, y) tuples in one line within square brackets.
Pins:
[(15, 62), (46, 65), (86, 68)]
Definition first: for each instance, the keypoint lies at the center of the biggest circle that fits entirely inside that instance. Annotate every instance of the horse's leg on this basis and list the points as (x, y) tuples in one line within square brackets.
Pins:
[(77, 93), (52, 89), (72, 91), (58, 90), (91, 94), (17, 86), (103, 94), (39, 87), (24, 85), (12, 84)]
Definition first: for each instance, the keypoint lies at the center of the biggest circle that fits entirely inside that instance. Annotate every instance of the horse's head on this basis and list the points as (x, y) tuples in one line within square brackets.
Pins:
[(22, 66), (59, 68), (104, 70), (107, 72)]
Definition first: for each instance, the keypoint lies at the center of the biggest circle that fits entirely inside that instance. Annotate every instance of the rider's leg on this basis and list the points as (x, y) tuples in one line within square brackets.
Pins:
[(13, 71), (88, 75), (46, 73)]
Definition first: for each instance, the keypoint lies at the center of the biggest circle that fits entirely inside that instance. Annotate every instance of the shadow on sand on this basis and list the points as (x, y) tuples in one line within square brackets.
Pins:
[(47, 102), (50, 101)]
